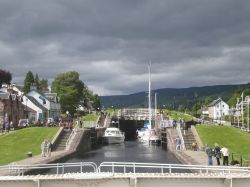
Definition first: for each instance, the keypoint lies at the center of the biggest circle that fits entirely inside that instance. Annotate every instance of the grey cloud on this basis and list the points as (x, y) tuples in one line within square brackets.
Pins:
[(110, 42)]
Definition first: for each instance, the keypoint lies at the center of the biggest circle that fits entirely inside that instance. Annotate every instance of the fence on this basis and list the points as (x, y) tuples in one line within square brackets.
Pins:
[(118, 167)]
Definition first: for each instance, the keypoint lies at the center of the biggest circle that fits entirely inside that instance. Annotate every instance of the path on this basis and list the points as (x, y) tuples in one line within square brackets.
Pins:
[(186, 156)]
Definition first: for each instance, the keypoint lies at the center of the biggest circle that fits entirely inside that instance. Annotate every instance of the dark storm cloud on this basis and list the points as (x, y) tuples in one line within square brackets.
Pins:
[(110, 42)]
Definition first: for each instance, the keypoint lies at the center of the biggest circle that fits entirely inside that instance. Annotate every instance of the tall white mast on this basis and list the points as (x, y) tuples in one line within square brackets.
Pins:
[(155, 105), (149, 95)]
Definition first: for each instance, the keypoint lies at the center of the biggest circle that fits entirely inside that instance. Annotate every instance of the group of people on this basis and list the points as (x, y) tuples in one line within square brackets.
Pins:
[(46, 148), (217, 153), (7, 126)]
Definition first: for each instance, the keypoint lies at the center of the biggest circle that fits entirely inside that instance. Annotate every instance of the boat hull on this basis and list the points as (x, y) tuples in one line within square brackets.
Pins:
[(113, 139)]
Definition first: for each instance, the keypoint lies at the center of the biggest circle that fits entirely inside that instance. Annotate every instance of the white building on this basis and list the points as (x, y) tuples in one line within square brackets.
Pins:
[(217, 109), (44, 106), (51, 103)]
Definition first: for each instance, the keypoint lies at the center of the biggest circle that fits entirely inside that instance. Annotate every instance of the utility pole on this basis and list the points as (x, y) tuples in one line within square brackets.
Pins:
[(248, 113), (237, 110), (242, 108)]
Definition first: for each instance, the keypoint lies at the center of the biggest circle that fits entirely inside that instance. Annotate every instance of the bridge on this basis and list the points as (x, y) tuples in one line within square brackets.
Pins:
[(125, 174)]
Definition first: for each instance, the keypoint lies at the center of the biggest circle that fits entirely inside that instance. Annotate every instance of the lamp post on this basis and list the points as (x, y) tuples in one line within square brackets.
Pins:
[(237, 112), (248, 112), (242, 108)]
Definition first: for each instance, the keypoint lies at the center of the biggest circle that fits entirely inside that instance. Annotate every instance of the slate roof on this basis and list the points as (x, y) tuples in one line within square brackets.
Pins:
[(215, 102), (33, 100)]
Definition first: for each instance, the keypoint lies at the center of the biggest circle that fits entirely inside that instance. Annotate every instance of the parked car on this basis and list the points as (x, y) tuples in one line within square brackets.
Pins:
[(50, 121), (23, 123)]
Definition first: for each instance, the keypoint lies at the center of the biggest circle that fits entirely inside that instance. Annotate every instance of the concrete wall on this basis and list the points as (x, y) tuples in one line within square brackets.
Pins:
[(126, 181)]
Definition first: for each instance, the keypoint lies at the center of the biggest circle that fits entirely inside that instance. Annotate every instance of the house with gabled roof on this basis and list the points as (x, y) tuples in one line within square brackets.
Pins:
[(51, 104), (45, 106), (217, 109)]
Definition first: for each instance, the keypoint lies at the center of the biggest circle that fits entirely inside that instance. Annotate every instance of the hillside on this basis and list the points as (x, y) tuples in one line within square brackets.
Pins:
[(174, 98)]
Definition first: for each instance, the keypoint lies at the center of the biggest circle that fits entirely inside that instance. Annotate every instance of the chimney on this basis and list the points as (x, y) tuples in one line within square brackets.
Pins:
[(33, 86)]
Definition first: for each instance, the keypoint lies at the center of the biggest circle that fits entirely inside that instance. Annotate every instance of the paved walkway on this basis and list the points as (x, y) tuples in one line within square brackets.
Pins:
[(55, 156), (187, 156)]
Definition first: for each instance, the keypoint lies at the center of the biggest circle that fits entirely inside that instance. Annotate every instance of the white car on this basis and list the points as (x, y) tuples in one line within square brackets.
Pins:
[(23, 123), (50, 120)]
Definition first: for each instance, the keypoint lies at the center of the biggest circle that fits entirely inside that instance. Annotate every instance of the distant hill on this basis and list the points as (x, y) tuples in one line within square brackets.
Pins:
[(174, 98)]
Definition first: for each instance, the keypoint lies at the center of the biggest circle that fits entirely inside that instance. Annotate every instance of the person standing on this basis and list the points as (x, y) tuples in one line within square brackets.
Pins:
[(217, 153), (49, 147), (174, 123), (178, 143), (184, 127), (209, 153), (43, 148), (225, 154)]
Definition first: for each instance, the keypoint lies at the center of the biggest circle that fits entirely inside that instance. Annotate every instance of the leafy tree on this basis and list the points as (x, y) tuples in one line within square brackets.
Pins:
[(5, 77), (43, 85), (37, 81), (70, 90), (237, 94), (29, 80)]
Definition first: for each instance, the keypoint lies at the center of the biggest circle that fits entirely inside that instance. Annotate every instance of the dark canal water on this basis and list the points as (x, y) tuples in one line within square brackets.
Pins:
[(130, 151)]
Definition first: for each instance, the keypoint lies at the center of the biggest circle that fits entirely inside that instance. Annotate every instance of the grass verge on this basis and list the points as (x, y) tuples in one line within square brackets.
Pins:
[(90, 117), (237, 141), (15, 145)]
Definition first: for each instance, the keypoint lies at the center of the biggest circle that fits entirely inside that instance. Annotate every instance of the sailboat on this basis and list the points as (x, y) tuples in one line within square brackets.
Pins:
[(149, 134)]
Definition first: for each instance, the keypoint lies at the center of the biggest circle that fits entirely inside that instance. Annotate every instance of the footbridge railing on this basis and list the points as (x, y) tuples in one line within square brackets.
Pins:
[(118, 167), (56, 168), (131, 167)]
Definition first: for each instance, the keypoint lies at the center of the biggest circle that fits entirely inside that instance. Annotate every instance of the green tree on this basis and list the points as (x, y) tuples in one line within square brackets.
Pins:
[(5, 77), (43, 85), (37, 81), (29, 80), (70, 90), (237, 94)]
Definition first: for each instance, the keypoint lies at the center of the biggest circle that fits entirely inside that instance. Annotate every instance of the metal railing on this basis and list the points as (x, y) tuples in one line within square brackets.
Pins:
[(131, 167), (58, 168), (181, 137), (71, 137), (118, 167)]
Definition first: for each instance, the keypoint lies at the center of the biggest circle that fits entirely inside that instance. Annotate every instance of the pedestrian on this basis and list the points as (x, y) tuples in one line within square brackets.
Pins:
[(217, 153), (174, 123), (184, 127), (209, 152), (80, 124), (194, 146), (181, 123), (178, 143), (48, 148), (7, 127), (43, 148), (225, 155)]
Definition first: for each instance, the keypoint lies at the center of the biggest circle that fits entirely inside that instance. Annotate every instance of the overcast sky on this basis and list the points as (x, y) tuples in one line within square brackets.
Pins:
[(110, 42)]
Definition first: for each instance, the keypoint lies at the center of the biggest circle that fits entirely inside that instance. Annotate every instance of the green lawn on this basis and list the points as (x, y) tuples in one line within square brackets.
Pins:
[(90, 117), (177, 115), (236, 140), (15, 145)]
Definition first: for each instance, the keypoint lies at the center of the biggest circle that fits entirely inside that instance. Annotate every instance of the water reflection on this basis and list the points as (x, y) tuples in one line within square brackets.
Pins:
[(130, 151)]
